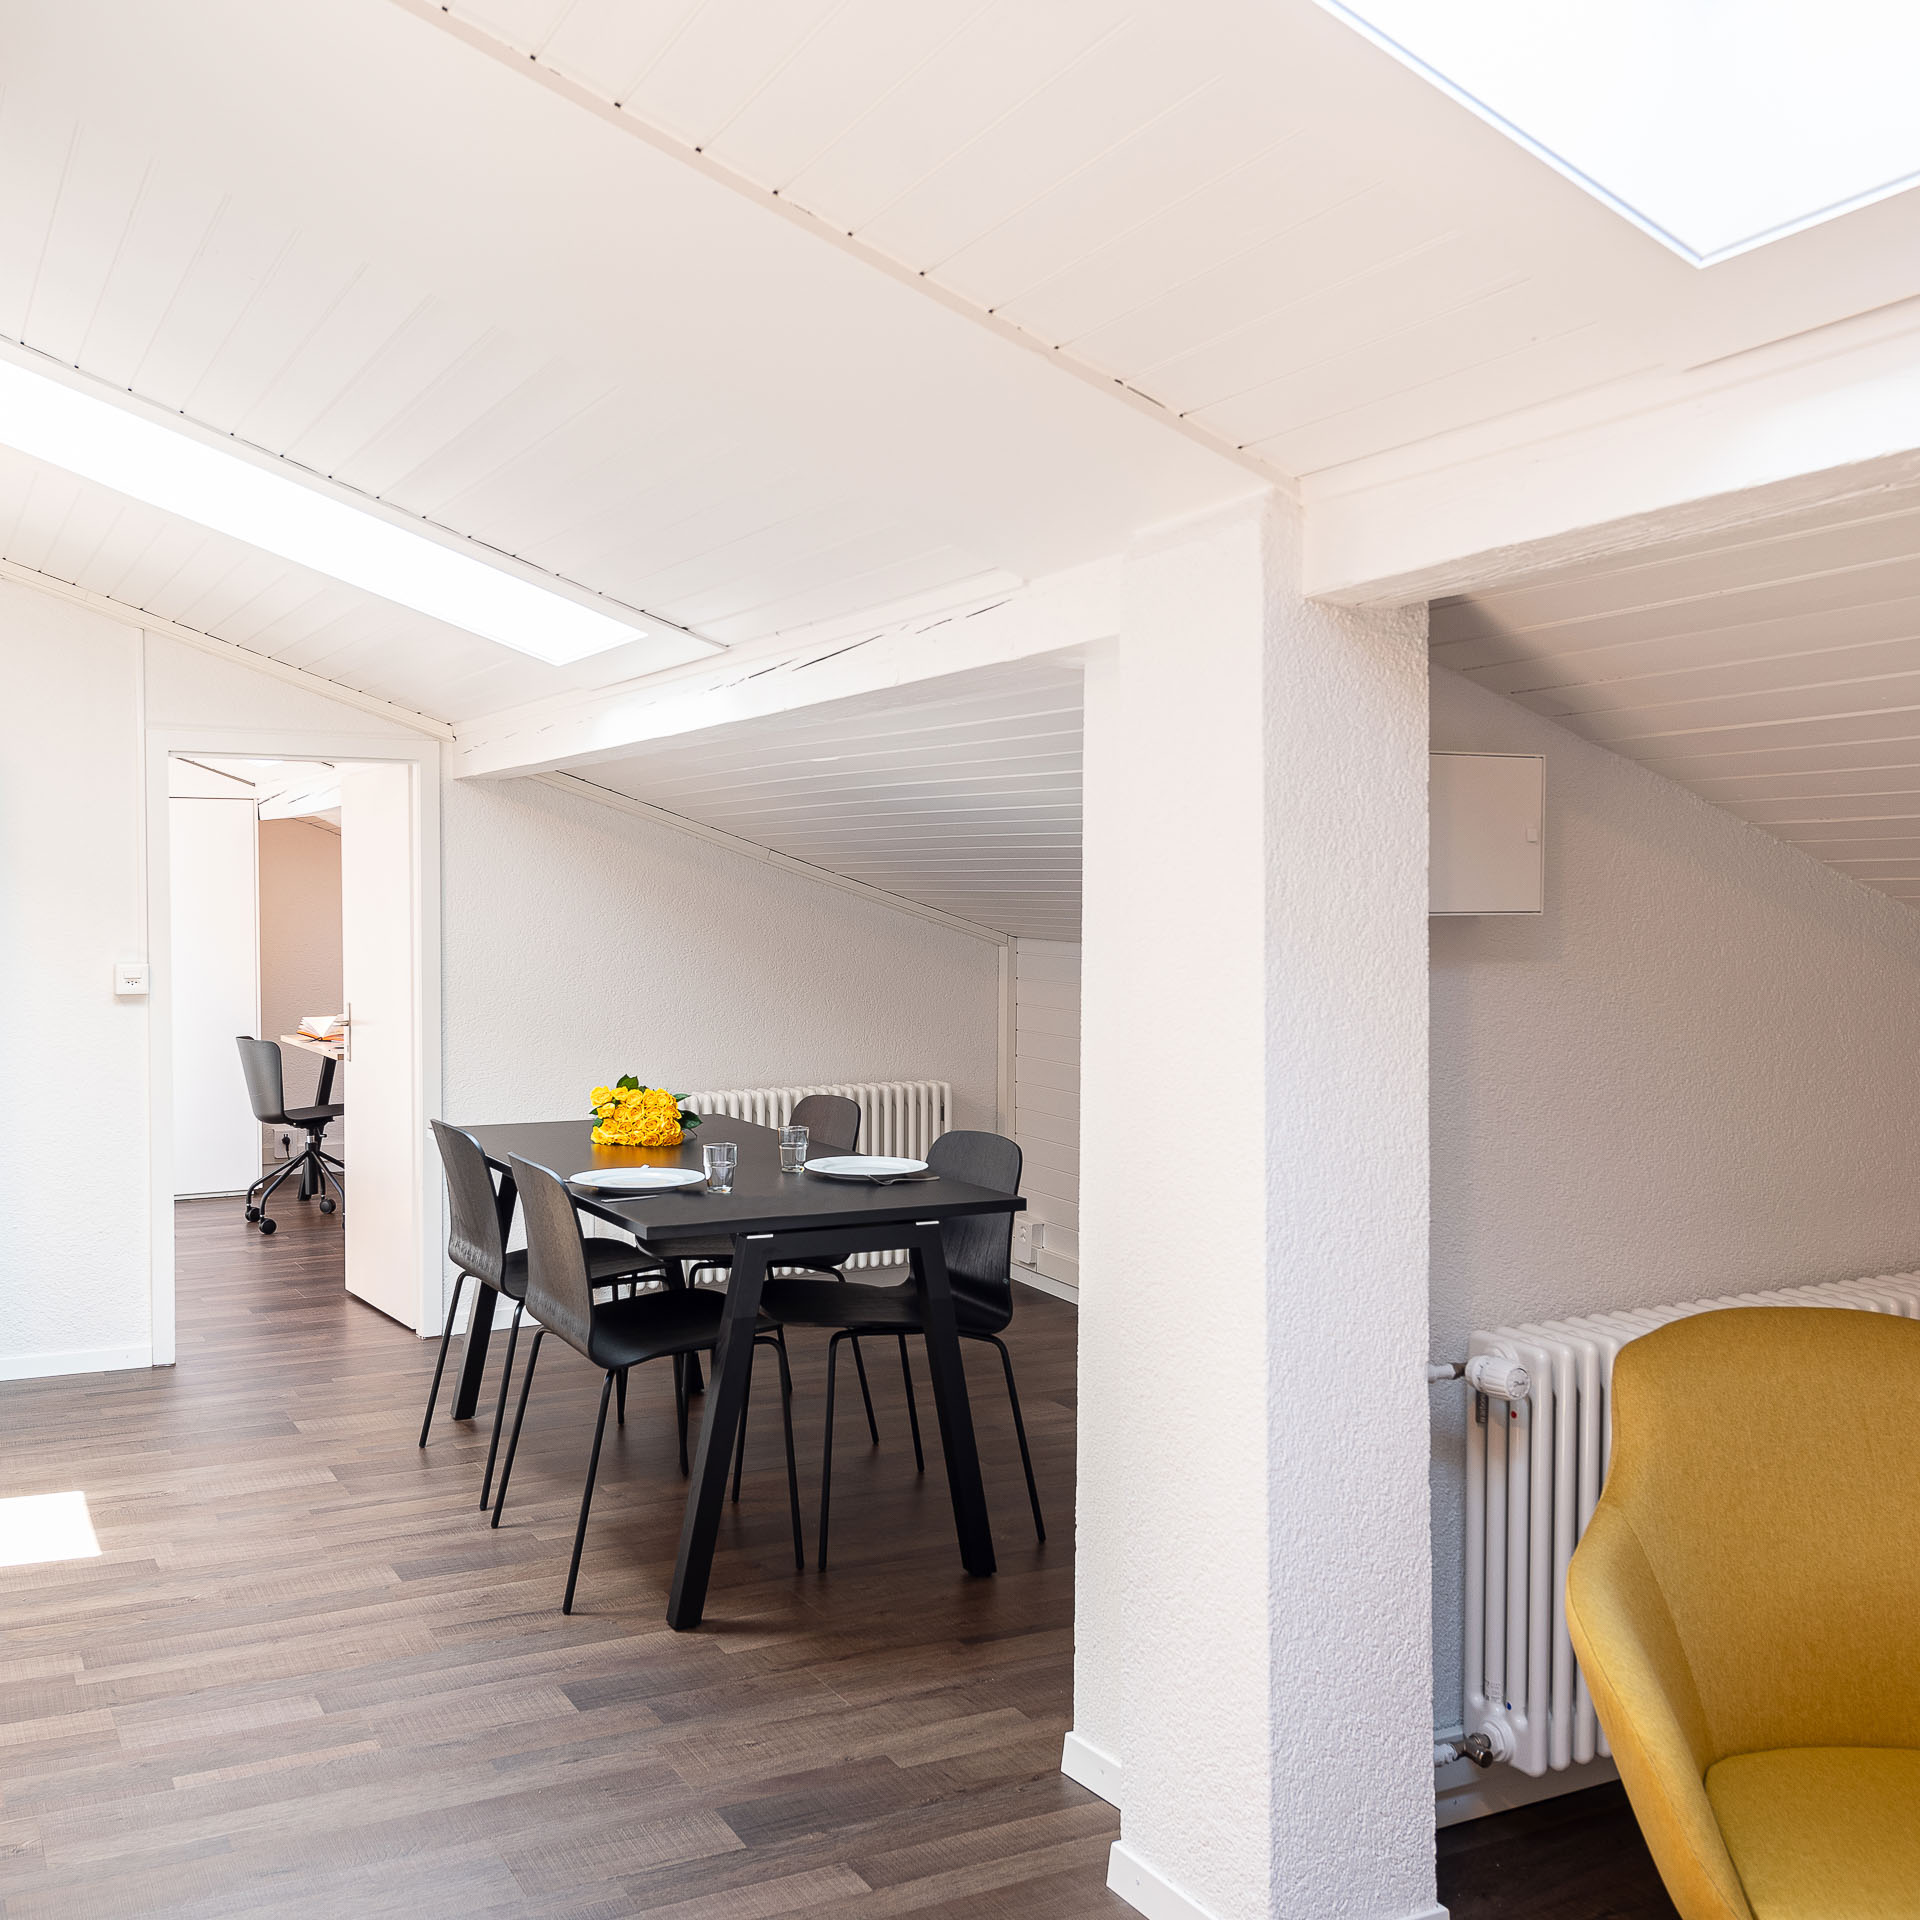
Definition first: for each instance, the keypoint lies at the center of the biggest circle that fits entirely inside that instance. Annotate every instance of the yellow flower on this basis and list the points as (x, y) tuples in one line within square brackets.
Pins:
[(600, 1096)]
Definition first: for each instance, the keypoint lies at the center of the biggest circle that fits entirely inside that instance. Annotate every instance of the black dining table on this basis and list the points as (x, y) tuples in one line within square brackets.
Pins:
[(774, 1219)]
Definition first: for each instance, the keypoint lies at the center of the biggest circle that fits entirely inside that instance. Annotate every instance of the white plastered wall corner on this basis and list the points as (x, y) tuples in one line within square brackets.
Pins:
[(1252, 1660)]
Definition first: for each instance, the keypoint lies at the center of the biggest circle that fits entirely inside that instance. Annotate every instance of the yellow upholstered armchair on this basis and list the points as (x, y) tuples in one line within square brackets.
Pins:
[(1746, 1607)]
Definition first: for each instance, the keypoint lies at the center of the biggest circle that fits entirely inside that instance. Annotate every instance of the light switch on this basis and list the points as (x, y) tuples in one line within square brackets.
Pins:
[(129, 978)]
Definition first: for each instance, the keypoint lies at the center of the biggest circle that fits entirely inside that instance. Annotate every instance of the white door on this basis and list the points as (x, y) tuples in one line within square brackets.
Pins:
[(213, 878), (379, 970)]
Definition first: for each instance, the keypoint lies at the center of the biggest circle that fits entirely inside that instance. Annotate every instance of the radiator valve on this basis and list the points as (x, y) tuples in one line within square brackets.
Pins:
[(1498, 1377)]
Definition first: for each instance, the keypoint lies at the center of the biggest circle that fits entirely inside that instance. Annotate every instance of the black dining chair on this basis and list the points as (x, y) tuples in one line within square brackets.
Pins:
[(480, 1221), (672, 1322), (832, 1122), (979, 1256), (267, 1095)]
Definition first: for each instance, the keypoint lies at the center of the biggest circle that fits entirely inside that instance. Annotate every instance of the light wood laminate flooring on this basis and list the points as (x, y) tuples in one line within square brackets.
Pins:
[(304, 1679)]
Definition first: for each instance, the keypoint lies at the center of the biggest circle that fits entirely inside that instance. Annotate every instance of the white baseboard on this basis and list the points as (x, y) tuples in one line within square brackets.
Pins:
[(1149, 1891), (1047, 1283), (1462, 1791), (1091, 1767), (47, 1366)]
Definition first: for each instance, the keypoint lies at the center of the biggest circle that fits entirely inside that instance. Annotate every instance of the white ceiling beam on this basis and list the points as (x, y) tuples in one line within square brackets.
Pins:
[(576, 731), (1822, 416)]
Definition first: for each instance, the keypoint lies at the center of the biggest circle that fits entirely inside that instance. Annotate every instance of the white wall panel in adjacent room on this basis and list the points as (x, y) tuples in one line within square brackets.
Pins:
[(216, 991), (1046, 1082)]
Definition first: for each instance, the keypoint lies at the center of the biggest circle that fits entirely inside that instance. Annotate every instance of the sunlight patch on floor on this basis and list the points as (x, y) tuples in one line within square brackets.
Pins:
[(39, 1527)]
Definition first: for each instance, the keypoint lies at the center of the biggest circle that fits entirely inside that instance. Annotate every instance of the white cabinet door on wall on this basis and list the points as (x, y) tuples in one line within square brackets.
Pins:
[(213, 852), (379, 971), (1486, 820)]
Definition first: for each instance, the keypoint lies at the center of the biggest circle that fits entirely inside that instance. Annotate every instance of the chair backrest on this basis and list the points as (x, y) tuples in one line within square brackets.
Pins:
[(979, 1251), (266, 1092), (832, 1122), (476, 1231), (559, 1293), (1760, 1527)]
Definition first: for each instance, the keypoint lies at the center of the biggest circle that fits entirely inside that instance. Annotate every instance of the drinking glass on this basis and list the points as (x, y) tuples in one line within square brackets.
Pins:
[(793, 1149), (718, 1162)]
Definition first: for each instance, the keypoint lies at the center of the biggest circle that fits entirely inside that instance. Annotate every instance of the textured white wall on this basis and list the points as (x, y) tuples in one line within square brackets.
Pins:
[(1251, 1633), (1698, 1071), (73, 1277), (582, 942)]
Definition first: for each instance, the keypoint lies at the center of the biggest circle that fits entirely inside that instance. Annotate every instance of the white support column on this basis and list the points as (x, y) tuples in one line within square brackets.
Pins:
[(1251, 1613)]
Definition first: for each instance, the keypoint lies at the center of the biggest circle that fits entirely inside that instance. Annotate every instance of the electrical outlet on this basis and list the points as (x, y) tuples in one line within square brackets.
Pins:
[(1028, 1238), (129, 979)]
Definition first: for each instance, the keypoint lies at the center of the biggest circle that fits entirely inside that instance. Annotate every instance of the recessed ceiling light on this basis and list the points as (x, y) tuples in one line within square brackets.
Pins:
[(1714, 127), (233, 493)]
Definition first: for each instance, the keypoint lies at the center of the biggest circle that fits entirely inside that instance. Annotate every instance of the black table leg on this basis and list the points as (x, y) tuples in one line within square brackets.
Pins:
[(323, 1093), (726, 1406), (950, 1401), (473, 1361), (676, 1271)]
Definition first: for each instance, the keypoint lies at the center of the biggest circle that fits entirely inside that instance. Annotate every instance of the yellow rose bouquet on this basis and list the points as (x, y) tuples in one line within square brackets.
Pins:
[(630, 1115)]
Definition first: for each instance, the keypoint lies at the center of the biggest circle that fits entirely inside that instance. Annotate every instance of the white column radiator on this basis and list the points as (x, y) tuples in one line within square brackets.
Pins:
[(1535, 1466), (896, 1116)]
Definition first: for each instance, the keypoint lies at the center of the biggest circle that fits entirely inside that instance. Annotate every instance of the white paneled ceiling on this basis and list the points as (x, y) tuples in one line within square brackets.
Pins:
[(966, 799), (1233, 207), (373, 252), (1775, 671)]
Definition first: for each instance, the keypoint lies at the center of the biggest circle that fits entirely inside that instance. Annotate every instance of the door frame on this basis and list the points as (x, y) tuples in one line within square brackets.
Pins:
[(426, 758)]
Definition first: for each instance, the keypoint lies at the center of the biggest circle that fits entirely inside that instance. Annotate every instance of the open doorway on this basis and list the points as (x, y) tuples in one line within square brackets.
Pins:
[(294, 891)]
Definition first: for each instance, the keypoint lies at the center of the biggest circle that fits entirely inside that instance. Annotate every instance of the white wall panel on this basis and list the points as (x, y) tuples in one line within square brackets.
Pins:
[(216, 991)]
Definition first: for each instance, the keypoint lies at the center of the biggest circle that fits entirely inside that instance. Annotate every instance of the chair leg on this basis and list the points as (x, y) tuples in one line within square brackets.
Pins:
[(500, 1405), (620, 1395), (519, 1414), (779, 1346), (826, 1457), (440, 1365), (913, 1412), (586, 1497), (740, 1444), (680, 1388), (1020, 1431), (860, 1367)]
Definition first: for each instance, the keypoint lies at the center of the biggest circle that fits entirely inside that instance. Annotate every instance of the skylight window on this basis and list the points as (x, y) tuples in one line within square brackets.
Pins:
[(230, 493), (1714, 125)]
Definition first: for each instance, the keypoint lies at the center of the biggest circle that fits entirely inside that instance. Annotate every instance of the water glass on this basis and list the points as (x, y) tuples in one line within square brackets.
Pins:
[(793, 1149), (718, 1161)]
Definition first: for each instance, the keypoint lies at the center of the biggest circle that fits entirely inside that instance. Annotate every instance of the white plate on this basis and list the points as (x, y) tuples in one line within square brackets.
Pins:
[(638, 1179), (865, 1166)]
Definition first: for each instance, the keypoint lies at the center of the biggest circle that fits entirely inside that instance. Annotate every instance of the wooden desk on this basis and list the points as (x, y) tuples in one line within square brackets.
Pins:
[(774, 1219), (331, 1053)]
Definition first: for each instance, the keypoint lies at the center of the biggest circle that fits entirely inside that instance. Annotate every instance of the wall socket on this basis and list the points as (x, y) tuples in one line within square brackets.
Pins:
[(1029, 1237)]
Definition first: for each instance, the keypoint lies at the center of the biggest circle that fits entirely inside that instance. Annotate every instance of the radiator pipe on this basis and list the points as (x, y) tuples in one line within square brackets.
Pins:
[(1475, 1747)]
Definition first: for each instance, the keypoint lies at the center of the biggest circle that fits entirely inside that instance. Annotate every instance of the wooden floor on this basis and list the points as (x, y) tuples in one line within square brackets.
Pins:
[(1577, 1857), (305, 1680)]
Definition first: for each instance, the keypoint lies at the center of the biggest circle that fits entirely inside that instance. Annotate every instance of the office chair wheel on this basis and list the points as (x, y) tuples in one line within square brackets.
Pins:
[(253, 1214), (267, 1226), (326, 1203)]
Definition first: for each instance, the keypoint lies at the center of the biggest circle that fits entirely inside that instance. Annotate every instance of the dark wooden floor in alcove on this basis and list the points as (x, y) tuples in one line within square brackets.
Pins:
[(306, 1681), (1578, 1857)]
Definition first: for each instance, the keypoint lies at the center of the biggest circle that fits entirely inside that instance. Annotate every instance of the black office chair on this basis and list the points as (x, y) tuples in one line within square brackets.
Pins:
[(832, 1122), (267, 1094), (979, 1257), (674, 1322), (480, 1221)]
